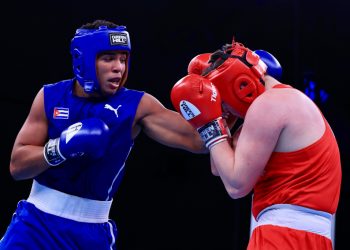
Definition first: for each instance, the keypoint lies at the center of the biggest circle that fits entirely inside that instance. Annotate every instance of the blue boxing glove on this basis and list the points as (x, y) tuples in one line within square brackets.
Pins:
[(88, 137), (274, 68)]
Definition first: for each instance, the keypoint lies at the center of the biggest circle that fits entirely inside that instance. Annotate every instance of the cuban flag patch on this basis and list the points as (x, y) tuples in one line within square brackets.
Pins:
[(60, 113)]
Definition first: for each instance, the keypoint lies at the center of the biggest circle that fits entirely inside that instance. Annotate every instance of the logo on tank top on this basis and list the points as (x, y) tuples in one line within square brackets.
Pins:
[(60, 113), (115, 110)]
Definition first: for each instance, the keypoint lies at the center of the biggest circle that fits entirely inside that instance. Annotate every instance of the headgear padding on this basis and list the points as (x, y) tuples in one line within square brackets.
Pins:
[(237, 73), (87, 44)]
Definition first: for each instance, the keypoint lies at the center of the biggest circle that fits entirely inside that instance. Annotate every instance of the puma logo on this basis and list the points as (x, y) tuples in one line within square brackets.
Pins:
[(115, 110)]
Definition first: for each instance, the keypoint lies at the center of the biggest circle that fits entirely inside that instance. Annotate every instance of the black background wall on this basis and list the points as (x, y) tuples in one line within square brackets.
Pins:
[(169, 199)]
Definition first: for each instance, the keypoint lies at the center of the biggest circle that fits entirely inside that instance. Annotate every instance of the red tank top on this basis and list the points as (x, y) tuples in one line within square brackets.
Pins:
[(309, 177)]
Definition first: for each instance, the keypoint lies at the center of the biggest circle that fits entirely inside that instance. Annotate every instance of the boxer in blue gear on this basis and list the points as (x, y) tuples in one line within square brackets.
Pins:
[(76, 140)]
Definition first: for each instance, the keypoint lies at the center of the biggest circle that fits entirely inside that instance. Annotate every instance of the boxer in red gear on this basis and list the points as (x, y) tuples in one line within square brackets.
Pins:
[(285, 152)]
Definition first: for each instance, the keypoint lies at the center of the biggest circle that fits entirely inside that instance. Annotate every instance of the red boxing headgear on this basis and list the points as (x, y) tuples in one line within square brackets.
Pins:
[(237, 73)]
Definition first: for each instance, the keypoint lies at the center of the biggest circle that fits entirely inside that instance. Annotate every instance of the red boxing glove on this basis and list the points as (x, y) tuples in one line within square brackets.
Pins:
[(199, 102), (198, 64)]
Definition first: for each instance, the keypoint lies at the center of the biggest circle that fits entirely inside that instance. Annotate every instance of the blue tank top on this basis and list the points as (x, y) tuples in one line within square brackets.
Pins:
[(93, 179)]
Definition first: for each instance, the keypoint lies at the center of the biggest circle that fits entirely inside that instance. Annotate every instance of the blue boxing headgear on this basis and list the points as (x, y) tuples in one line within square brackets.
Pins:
[(87, 44)]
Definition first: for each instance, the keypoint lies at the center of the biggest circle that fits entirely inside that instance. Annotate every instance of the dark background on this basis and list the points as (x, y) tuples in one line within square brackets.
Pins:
[(169, 199)]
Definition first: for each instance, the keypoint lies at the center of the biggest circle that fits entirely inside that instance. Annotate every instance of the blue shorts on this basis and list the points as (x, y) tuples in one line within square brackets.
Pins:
[(31, 228)]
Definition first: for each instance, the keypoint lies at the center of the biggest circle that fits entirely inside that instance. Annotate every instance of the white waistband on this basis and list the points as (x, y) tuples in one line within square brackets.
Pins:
[(68, 206), (297, 217)]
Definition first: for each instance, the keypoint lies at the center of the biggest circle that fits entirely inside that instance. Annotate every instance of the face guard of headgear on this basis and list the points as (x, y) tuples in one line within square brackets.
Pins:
[(237, 73), (87, 44)]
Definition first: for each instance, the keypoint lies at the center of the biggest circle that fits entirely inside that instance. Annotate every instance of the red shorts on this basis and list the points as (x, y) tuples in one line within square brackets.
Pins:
[(272, 237)]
